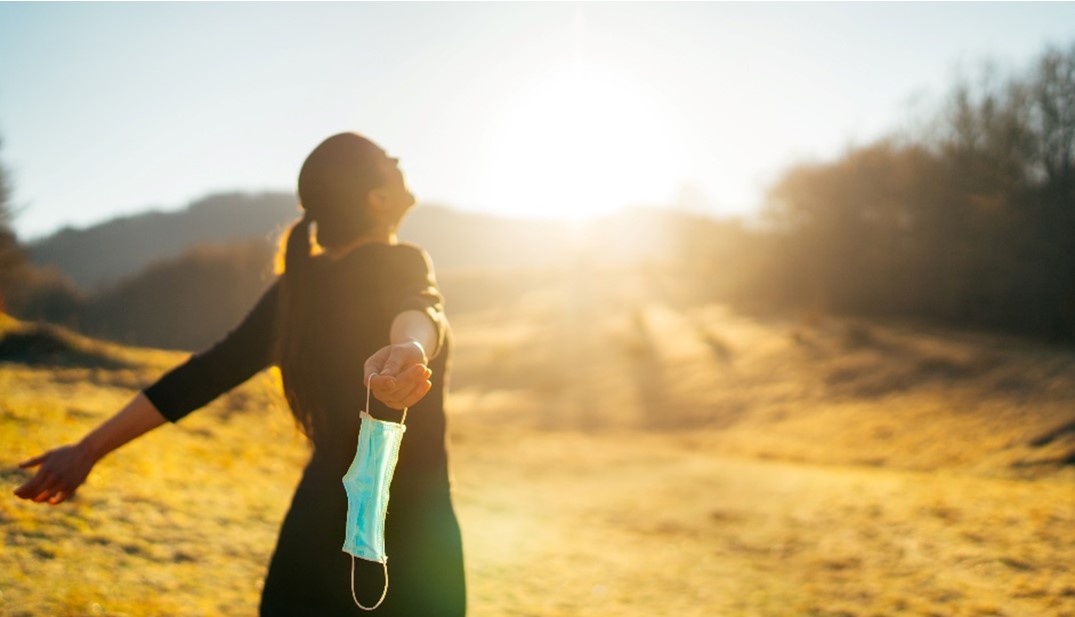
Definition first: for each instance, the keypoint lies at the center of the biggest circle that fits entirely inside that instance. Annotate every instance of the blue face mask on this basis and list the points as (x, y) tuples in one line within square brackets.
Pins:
[(366, 482)]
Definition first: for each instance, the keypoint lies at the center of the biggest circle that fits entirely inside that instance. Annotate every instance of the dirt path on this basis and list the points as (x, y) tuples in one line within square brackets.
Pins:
[(568, 524), (621, 452)]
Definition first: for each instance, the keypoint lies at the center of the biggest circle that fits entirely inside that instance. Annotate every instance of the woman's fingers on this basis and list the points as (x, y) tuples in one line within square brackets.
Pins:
[(37, 460), (51, 483), (393, 360), (61, 496), (34, 485), (388, 386), (31, 487), (62, 470), (397, 376), (406, 380), (45, 492), (416, 395), (43, 496), (55, 490), (409, 398)]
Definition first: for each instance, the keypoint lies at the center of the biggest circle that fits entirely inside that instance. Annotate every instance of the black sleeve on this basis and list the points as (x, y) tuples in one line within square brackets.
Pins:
[(206, 375), (412, 287)]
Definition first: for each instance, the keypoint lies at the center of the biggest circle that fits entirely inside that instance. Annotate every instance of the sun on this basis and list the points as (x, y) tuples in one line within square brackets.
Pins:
[(576, 143)]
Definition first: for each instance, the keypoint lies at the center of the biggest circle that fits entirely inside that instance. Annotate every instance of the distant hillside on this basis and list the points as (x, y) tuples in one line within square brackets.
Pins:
[(98, 256)]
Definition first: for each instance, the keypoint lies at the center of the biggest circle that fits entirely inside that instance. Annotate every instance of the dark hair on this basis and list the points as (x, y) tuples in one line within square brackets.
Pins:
[(334, 186)]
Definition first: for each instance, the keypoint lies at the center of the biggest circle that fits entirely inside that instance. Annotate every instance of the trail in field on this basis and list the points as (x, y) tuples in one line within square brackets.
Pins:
[(569, 524), (623, 451), (599, 350)]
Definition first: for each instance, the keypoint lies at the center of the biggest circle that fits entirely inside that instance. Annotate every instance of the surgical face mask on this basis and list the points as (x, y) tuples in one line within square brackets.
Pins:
[(366, 482)]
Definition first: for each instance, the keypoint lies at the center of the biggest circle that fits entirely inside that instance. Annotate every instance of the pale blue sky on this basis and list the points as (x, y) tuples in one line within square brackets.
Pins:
[(554, 109)]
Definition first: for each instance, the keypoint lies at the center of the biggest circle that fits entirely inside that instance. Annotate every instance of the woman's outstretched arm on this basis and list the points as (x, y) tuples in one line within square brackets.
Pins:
[(189, 386), (62, 470)]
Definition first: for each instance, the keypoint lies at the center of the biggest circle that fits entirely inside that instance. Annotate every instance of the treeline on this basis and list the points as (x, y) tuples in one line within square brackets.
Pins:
[(969, 221), (221, 261), (183, 303)]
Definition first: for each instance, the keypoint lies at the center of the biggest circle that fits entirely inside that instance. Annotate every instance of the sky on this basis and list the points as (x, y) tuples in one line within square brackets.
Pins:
[(562, 110)]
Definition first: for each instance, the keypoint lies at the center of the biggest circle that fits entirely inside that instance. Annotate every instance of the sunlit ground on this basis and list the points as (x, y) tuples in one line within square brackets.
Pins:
[(621, 446)]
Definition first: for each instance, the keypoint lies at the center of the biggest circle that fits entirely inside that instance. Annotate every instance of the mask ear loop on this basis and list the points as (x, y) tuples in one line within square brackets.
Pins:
[(384, 592), (384, 564)]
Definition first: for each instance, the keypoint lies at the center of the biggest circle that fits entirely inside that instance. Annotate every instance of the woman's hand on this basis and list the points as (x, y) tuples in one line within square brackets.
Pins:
[(398, 375), (60, 474)]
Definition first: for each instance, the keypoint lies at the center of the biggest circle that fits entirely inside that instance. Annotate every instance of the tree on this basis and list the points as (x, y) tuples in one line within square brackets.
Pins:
[(187, 302), (1052, 91), (11, 255), (969, 222)]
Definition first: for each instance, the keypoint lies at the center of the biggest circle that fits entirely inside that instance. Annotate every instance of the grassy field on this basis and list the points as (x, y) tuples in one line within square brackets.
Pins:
[(621, 446)]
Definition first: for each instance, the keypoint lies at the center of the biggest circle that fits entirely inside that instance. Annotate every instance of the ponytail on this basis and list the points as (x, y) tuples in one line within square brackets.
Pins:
[(294, 325), (297, 253)]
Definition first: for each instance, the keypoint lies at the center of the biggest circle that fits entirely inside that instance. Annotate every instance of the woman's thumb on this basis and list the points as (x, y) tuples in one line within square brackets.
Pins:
[(393, 364), (37, 460)]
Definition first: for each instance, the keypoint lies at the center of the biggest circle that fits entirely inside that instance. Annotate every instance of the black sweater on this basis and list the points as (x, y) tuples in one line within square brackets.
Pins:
[(358, 297)]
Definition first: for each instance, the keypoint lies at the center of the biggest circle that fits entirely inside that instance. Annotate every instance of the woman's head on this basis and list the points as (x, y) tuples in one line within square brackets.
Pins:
[(335, 184), (348, 188)]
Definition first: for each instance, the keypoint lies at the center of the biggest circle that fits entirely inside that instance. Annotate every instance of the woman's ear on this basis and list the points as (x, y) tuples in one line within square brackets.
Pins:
[(378, 201)]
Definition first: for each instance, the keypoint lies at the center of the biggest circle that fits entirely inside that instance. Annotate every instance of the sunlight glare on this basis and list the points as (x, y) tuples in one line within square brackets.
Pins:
[(578, 143)]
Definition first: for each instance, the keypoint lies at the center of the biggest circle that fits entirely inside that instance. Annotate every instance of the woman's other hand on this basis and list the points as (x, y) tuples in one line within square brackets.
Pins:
[(60, 474), (64, 469), (397, 374)]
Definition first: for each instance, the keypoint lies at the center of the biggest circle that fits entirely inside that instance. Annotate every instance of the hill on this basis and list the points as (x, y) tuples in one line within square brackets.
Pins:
[(99, 256)]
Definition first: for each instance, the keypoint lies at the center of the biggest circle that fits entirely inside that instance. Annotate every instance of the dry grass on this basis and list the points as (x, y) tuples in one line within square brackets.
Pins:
[(180, 522), (617, 451)]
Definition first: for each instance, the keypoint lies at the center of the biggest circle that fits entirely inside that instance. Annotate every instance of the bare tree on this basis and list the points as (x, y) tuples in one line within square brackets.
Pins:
[(968, 223), (11, 255), (1052, 90)]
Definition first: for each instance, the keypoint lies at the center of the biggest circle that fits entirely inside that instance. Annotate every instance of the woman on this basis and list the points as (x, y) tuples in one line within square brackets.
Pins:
[(365, 310)]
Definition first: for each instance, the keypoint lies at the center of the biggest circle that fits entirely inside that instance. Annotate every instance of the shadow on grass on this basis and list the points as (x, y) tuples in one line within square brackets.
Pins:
[(47, 345)]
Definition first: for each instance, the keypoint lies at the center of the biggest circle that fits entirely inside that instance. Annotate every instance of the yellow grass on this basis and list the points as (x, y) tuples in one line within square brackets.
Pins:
[(617, 450)]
